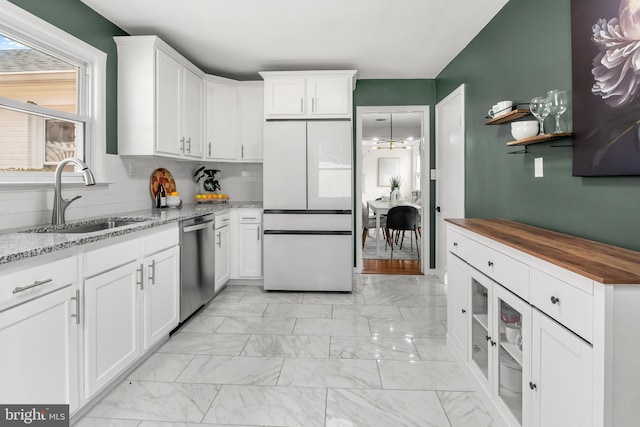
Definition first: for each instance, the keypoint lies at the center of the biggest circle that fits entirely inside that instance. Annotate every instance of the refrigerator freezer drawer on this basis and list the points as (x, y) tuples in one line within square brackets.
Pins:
[(307, 222), (308, 262)]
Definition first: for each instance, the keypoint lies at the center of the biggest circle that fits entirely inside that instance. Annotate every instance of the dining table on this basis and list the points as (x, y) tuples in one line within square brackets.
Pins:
[(382, 207)]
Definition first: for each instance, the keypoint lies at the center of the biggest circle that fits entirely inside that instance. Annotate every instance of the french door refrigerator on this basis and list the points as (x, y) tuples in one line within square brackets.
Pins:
[(308, 199)]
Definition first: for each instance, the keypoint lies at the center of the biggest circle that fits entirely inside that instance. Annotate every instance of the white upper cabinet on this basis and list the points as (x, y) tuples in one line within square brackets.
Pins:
[(160, 100), (234, 116), (308, 94)]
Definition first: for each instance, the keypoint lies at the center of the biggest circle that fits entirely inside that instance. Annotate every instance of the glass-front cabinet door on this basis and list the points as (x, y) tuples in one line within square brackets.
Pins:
[(512, 333), (480, 348)]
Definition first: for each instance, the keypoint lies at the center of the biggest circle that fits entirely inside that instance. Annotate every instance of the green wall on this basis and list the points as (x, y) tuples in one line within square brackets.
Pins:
[(77, 19), (523, 52), (386, 92)]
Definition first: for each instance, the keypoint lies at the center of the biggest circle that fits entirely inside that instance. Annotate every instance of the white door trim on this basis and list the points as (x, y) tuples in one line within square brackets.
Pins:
[(424, 179), (457, 95)]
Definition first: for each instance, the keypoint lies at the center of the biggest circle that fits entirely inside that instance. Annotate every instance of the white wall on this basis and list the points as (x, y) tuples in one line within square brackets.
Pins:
[(370, 188), (20, 206)]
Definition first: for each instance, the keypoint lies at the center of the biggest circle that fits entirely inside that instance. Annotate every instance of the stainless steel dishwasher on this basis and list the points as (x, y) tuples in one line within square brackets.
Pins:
[(197, 264)]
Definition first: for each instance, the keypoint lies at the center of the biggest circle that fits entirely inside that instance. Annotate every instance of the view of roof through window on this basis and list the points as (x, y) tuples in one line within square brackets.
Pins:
[(31, 140)]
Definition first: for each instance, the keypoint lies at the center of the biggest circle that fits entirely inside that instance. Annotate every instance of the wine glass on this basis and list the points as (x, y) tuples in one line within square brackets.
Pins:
[(540, 109), (557, 101)]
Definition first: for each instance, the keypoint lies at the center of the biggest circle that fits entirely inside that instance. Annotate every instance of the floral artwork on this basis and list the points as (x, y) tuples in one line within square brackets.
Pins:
[(606, 86)]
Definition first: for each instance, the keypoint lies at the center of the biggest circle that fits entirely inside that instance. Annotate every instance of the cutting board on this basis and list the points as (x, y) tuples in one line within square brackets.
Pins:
[(167, 180)]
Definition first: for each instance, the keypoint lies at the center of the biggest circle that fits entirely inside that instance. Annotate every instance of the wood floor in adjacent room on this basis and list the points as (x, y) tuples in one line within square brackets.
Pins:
[(390, 266)]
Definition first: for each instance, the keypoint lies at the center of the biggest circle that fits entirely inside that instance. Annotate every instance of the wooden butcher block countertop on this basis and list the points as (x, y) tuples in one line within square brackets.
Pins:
[(603, 263)]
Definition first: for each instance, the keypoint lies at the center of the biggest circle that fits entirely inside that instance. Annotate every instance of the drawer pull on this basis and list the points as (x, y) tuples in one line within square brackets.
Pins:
[(463, 311), (141, 281), (532, 386), (33, 285), (487, 337), (493, 343), (555, 300), (77, 300), (152, 272), (490, 263)]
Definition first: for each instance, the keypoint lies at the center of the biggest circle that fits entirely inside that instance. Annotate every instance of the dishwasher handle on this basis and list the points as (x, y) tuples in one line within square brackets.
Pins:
[(197, 227)]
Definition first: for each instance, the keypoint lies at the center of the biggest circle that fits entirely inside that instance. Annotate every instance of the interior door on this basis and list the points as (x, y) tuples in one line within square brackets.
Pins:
[(450, 169), (329, 160), (285, 167)]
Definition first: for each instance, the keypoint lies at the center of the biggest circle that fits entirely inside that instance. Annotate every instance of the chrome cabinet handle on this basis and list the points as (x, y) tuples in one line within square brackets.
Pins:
[(242, 151), (554, 300), (463, 311), (77, 315), (258, 229), (249, 217), (152, 272), (532, 386), (313, 105), (140, 282), (302, 105), (490, 263), (455, 244), (209, 149), (189, 142), (33, 285), (219, 239), (182, 144)]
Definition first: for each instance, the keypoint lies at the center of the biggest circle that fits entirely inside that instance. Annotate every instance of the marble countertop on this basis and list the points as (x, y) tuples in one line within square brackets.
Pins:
[(26, 242)]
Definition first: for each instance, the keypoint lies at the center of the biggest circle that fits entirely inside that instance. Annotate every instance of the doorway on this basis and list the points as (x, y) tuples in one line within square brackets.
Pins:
[(392, 142)]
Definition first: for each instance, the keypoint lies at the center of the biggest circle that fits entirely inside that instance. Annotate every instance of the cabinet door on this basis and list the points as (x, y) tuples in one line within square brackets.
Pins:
[(562, 379), (112, 324), (512, 355), (168, 104), (221, 122), (250, 250), (161, 294), (39, 356), (329, 162), (329, 96), (458, 307), (223, 257), (250, 119), (285, 168), (284, 97), (191, 118), (480, 288)]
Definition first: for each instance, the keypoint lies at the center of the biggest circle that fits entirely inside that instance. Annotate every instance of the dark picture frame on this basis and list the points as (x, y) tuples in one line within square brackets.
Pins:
[(606, 88)]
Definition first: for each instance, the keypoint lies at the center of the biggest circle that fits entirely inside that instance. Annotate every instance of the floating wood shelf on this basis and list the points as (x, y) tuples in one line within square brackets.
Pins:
[(509, 117), (539, 138)]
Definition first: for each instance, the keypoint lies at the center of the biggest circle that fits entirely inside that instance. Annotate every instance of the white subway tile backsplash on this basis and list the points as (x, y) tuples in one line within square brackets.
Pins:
[(20, 208)]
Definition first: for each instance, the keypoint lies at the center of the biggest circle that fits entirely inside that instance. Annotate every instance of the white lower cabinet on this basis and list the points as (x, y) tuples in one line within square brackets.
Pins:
[(532, 370), (562, 376), (161, 295), (222, 234), (39, 328), (112, 324), (39, 356), (246, 243)]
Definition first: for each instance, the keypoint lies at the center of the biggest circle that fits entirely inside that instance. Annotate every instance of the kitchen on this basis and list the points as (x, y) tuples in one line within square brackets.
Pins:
[(494, 66)]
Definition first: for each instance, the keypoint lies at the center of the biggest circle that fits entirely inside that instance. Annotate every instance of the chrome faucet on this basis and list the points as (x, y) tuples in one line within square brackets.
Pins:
[(59, 204)]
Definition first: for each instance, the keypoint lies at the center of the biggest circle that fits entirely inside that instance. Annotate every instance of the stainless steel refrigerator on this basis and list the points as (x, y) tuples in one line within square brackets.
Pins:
[(308, 202)]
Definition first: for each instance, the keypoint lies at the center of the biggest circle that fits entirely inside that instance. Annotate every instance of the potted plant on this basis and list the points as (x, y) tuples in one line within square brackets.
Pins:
[(208, 178), (395, 182)]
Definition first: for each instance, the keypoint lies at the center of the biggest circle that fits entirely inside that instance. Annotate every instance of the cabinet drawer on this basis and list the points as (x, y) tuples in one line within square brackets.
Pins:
[(508, 272), (33, 280), (568, 305), (160, 239), (458, 244), (222, 220), (111, 256), (250, 217)]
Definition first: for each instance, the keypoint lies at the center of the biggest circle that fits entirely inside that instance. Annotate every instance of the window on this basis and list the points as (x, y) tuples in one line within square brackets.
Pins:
[(52, 89)]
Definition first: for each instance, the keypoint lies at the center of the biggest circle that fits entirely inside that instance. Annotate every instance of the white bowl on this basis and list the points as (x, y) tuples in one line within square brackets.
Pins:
[(524, 123), (523, 130)]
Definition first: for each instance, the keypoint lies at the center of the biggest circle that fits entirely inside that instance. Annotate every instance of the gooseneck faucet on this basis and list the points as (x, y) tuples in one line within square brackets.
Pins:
[(59, 204)]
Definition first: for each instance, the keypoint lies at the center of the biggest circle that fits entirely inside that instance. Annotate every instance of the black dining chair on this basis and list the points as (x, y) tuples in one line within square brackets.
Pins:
[(400, 219)]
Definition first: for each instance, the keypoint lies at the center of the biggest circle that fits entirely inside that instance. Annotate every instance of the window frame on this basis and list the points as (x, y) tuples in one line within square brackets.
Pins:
[(24, 27)]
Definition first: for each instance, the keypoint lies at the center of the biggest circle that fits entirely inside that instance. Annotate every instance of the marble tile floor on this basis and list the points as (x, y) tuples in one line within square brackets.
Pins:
[(373, 358)]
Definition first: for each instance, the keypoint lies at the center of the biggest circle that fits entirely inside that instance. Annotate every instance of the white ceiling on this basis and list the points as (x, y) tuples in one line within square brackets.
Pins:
[(238, 38)]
